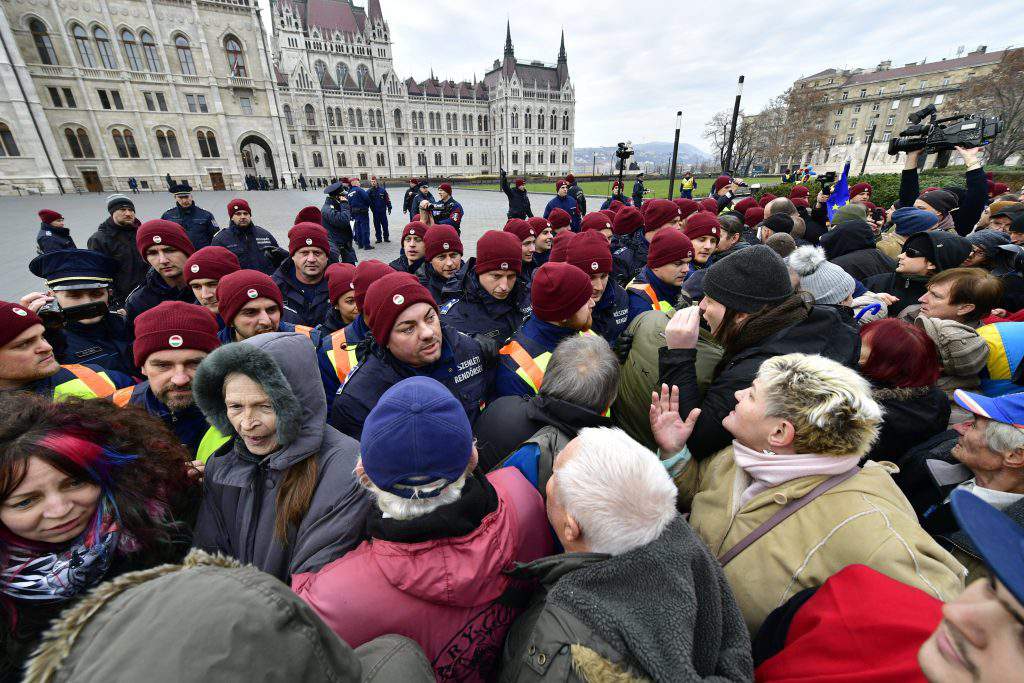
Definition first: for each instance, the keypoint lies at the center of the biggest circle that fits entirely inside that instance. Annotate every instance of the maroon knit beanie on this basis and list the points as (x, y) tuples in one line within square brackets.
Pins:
[(340, 278), (609, 213), (615, 206), (590, 252), (859, 188), (446, 187), (174, 325), (801, 202), (668, 246), (162, 233), (686, 206), (999, 188), (710, 205), (439, 239), (560, 247), (211, 263), (746, 203), (559, 218), (387, 298), (308, 235), (49, 215), (559, 184), (236, 289), (539, 224), (520, 182), (499, 250), (15, 319), (416, 228), (310, 214), (721, 181), (765, 198), (237, 205), (627, 220), (703, 223), (753, 216), (366, 273), (559, 290), (799, 191), (658, 213), (520, 229), (595, 221)]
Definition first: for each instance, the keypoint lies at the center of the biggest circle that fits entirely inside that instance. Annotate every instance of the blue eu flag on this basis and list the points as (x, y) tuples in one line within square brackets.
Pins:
[(840, 193)]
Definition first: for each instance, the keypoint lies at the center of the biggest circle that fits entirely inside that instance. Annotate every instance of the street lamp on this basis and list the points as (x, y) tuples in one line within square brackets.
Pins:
[(675, 153)]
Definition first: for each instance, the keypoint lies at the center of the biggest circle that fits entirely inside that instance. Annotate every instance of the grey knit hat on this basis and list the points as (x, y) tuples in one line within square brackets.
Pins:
[(749, 279), (829, 283), (118, 201), (962, 352)]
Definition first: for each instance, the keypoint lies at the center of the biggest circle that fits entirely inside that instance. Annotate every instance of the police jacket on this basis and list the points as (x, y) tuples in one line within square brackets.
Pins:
[(465, 367), (576, 192), (248, 244), (567, 204), (402, 265), (407, 199), (118, 243), (448, 212), (518, 200), (630, 257), (332, 322), (616, 197), (538, 340), (188, 425), (638, 190), (107, 343), (479, 314), (611, 313), (81, 381), (379, 200), (198, 223), (151, 292), (359, 201), (310, 302), (357, 330), (337, 219), (443, 290), (53, 239), (648, 293), (414, 203)]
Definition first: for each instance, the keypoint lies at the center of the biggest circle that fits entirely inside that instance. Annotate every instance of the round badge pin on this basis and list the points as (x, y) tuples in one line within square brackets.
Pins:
[(398, 299), (194, 268), (252, 293), (175, 340)]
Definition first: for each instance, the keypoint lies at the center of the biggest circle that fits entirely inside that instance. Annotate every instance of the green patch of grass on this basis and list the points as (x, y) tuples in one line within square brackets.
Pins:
[(658, 188)]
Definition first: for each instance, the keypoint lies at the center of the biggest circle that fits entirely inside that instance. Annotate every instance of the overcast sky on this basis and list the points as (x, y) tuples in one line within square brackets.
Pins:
[(635, 64)]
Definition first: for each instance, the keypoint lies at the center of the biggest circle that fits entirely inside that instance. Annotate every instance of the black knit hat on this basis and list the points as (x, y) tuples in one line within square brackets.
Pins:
[(749, 279)]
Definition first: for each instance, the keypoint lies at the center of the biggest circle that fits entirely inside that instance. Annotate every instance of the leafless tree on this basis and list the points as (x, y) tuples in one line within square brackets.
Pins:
[(999, 93)]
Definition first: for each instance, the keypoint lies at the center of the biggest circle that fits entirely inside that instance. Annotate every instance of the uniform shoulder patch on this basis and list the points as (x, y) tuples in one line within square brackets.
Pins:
[(447, 306)]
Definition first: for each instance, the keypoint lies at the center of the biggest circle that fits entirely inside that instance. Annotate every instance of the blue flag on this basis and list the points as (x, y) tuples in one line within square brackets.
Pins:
[(840, 193)]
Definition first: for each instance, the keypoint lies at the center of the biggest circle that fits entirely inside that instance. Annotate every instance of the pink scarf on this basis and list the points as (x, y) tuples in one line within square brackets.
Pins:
[(768, 470)]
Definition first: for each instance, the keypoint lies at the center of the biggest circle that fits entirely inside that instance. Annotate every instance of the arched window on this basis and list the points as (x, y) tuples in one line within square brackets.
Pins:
[(44, 46), (310, 115), (84, 144), (552, 157), (342, 72), (565, 121), (321, 70), (288, 115), (85, 52), (421, 158), (526, 157), (486, 125), (103, 47), (351, 118), (122, 151), (455, 122), (236, 60), (330, 116), (129, 142), (515, 119), (295, 159), (528, 124), (172, 142), (437, 158), (76, 149), (540, 156), (362, 73), (341, 158), (8, 147), (337, 116), (344, 159), (421, 120), (212, 142), (540, 120), (480, 122), (149, 51), (371, 122), (204, 149), (554, 122), (448, 122), (359, 118), (515, 157), (380, 119), (360, 158), (131, 50), (398, 118), (185, 61)]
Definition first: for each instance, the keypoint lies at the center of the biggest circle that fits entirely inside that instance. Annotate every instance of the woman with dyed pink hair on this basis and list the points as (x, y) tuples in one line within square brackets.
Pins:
[(88, 491)]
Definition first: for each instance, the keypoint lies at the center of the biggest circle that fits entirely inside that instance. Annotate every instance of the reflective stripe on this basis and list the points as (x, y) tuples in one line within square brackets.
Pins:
[(211, 442), (121, 397), (530, 368), (656, 304), (344, 361), (303, 329), (87, 384)]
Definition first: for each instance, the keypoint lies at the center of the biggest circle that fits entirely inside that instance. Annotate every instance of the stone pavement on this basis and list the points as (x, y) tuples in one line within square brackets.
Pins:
[(275, 211)]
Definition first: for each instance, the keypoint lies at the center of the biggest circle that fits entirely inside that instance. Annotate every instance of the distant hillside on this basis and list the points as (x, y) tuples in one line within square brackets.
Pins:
[(650, 154)]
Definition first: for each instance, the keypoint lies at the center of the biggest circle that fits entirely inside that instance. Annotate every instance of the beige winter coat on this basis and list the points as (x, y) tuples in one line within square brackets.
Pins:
[(864, 520)]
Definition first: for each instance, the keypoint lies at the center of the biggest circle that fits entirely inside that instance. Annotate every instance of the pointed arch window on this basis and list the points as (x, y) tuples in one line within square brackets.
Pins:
[(84, 46), (236, 59), (310, 115), (103, 48), (185, 60), (44, 45), (132, 55), (76, 149), (342, 71), (149, 51)]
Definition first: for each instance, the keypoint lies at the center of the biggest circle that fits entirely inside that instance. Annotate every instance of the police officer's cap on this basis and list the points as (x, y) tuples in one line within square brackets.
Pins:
[(181, 188), (334, 188), (74, 269)]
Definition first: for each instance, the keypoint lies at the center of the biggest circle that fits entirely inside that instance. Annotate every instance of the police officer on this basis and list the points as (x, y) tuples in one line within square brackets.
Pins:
[(527, 236), (417, 206), (591, 253), (255, 247), (27, 362), (359, 203), (496, 300), (250, 302), (79, 282), (443, 272), (52, 234), (561, 298), (365, 274), (660, 213), (199, 224), (617, 195), (337, 218), (447, 211), (301, 278), (563, 201), (115, 237), (203, 272), (639, 190), (409, 200), (545, 236), (410, 259), (341, 289), (518, 199), (658, 285), (380, 205), (166, 248), (687, 185), (576, 192), (627, 226), (411, 341), (171, 340)]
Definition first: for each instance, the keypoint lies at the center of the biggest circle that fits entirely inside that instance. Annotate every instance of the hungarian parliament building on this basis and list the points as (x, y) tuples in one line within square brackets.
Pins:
[(96, 92)]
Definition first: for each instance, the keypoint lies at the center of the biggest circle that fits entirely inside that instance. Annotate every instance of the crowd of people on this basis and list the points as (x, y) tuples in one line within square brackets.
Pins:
[(727, 438)]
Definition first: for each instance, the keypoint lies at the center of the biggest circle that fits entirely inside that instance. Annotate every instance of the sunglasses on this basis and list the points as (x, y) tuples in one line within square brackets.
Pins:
[(913, 253)]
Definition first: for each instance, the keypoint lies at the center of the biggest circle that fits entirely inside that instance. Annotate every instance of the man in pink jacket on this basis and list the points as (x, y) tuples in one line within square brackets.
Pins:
[(441, 537)]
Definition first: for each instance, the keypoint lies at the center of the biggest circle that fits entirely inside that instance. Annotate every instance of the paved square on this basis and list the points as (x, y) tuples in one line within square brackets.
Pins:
[(275, 211)]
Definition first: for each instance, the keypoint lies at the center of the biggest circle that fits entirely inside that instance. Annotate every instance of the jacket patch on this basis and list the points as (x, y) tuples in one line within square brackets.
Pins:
[(468, 368)]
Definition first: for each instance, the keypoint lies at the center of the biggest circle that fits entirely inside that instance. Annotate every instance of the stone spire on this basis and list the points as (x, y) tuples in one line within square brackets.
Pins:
[(508, 40), (563, 63)]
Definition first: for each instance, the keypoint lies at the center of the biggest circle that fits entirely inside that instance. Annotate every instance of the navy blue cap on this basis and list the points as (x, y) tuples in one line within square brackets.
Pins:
[(334, 188), (416, 436), (998, 539), (74, 269)]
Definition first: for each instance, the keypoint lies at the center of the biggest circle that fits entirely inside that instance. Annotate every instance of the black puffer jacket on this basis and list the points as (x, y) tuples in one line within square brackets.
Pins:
[(912, 416), (851, 246), (118, 242)]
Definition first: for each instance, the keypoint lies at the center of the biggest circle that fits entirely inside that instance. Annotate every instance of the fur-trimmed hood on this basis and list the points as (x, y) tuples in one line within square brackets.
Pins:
[(285, 365)]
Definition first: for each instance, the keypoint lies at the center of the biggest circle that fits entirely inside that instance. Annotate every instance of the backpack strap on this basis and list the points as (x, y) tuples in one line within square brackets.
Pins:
[(784, 512)]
